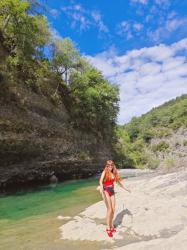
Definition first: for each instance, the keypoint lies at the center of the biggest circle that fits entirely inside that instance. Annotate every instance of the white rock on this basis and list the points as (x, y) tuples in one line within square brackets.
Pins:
[(60, 217)]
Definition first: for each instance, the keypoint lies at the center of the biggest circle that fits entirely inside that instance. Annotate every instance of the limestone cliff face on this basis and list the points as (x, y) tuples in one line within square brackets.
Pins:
[(174, 152), (37, 141)]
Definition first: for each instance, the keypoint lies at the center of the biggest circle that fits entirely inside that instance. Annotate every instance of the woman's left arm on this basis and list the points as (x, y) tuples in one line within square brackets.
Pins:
[(121, 185)]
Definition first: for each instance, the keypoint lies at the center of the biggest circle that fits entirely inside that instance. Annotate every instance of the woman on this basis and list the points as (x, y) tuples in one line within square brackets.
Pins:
[(108, 177)]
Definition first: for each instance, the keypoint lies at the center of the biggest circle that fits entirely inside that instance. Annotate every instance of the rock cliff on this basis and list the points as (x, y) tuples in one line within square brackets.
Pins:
[(37, 141), (171, 150)]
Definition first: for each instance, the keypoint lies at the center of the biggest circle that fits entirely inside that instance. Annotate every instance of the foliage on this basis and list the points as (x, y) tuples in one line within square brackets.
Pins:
[(65, 56), (24, 37), (161, 120), (152, 162), (126, 153), (169, 162), (135, 137), (23, 34), (95, 100), (160, 147), (64, 76)]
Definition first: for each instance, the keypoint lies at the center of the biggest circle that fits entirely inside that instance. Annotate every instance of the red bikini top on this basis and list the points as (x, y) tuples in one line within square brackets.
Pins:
[(109, 182)]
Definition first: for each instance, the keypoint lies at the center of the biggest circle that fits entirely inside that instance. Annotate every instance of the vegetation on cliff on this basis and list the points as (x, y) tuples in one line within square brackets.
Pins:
[(53, 67), (134, 147)]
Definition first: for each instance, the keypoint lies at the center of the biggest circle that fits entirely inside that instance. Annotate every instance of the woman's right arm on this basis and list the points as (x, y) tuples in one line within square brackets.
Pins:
[(101, 180)]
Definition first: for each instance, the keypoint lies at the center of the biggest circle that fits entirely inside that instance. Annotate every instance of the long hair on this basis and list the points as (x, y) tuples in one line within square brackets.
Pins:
[(114, 171)]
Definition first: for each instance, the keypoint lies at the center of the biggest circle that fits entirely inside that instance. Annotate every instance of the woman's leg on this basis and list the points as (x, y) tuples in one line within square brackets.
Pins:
[(109, 211), (113, 203), (104, 199)]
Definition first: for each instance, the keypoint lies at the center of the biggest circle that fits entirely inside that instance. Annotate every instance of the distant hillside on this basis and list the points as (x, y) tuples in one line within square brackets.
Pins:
[(156, 137)]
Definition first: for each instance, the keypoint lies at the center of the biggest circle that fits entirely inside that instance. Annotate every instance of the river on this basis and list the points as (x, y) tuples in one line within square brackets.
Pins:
[(29, 219)]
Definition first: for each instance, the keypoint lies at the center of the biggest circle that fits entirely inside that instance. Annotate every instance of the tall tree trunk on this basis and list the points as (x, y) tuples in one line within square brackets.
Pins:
[(66, 75)]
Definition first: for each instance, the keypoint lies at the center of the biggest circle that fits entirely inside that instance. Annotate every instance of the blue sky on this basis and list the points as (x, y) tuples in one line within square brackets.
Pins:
[(141, 45)]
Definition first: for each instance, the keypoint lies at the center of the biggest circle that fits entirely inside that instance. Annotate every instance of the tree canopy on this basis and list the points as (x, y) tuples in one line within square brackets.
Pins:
[(65, 76)]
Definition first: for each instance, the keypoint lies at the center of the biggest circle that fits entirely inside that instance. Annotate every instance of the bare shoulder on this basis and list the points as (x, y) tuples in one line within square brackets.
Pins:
[(103, 172)]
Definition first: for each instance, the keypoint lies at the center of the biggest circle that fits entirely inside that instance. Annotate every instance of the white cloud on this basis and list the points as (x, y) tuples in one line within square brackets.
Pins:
[(163, 2), (83, 19), (168, 27), (77, 14), (54, 12), (138, 26), (174, 24), (79, 19), (129, 29), (171, 14), (163, 22), (125, 26), (98, 19), (78, 7), (147, 77), (140, 1)]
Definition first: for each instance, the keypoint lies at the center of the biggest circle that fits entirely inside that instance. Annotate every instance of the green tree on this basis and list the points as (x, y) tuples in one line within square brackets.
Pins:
[(23, 34), (65, 57), (95, 100), (23, 37)]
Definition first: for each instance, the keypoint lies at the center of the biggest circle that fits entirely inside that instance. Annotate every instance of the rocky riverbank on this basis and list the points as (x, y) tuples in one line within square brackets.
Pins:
[(152, 217)]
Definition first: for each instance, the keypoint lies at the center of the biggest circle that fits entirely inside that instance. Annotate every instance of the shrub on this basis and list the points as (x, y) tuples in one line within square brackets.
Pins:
[(185, 143), (160, 147), (169, 162), (84, 155)]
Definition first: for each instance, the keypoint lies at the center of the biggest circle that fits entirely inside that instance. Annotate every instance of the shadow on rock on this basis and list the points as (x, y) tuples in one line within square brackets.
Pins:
[(119, 217)]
